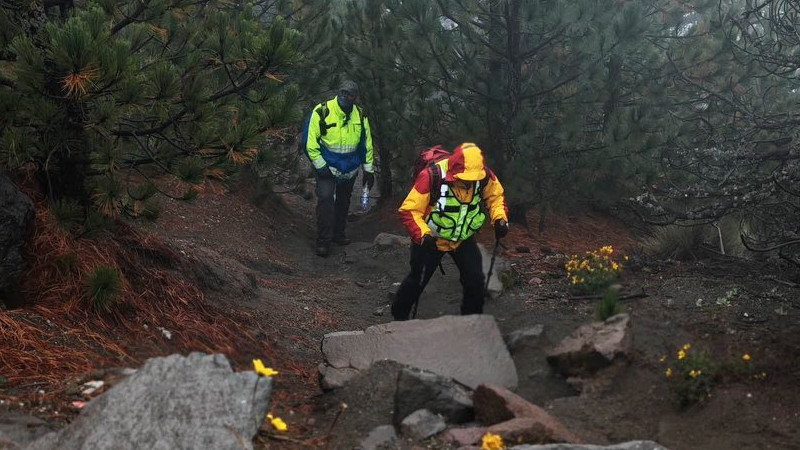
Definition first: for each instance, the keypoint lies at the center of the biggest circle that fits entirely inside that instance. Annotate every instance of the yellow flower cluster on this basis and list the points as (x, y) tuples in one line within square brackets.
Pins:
[(492, 442), (595, 267), (746, 357), (695, 373)]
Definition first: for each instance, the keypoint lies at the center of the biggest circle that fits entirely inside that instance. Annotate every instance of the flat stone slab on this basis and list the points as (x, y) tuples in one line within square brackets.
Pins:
[(468, 349)]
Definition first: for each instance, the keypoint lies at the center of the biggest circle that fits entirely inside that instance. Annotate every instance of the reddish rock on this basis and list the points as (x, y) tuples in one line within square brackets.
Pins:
[(464, 436), (494, 404), (522, 430), (592, 347)]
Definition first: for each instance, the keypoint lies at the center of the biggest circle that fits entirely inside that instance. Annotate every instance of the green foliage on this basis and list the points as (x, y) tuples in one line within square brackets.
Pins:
[(103, 288), (692, 375), (610, 305), (674, 242), (65, 263), (184, 88), (68, 214)]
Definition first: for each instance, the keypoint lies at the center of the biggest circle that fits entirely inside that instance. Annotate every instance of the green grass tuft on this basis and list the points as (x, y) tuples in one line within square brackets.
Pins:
[(103, 287)]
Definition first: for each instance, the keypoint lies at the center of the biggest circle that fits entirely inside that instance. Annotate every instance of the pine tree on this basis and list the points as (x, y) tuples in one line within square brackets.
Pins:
[(158, 86)]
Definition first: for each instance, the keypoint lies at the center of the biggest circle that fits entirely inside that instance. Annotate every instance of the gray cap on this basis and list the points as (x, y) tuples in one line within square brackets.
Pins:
[(349, 86)]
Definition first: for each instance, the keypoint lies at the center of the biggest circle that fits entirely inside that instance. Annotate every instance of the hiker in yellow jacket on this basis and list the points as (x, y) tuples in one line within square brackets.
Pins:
[(447, 223)]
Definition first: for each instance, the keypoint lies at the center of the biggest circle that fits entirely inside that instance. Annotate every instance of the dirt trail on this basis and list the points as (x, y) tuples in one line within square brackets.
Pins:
[(297, 297)]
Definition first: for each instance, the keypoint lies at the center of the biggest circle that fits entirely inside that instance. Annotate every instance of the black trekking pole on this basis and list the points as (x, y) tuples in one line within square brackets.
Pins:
[(491, 266)]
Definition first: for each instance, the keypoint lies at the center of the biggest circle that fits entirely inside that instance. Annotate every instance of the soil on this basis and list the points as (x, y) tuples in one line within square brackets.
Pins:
[(293, 298)]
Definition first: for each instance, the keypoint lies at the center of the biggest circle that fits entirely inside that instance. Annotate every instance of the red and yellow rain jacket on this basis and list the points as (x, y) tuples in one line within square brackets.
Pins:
[(415, 212)]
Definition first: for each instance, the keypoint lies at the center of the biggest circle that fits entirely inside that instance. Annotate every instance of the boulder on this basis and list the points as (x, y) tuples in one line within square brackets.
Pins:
[(333, 378), (193, 401), (531, 337), (18, 429), (387, 241), (632, 445), (500, 265), (592, 347), (464, 436), (468, 349), (494, 404), (420, 389), (422, 424), (521, 430), (16, 215), (379, 436)]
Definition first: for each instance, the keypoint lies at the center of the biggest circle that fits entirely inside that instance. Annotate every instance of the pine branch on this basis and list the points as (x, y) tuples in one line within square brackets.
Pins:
[(129, 19)]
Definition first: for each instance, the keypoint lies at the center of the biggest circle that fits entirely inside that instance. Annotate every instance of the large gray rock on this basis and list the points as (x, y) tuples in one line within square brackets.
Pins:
[(468, 349), (420, 389), (17, 429), (500, 265), (176, 402), (16, 213), (422, 424), (593, 346), (379, 436), (632, 445)]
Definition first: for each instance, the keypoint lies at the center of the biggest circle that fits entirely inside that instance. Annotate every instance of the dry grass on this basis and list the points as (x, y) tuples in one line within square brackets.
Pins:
[(57, 337)]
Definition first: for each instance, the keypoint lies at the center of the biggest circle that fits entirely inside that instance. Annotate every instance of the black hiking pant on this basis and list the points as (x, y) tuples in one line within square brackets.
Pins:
[(424, 263), (333, 204)]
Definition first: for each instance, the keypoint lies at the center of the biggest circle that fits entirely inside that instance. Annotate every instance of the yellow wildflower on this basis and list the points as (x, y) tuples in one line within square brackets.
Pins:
[(681, 354), (668, 372), (663, 358), (746, 357), (695, 373), (262, 370), (277, 423), (614, 265), (687, 346), (492, 442)]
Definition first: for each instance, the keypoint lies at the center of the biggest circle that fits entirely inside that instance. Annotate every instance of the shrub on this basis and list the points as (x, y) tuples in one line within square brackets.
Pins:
[(610, 305), (593, 272), (674, 242), (103, 288), (68, 214), (692, 375)]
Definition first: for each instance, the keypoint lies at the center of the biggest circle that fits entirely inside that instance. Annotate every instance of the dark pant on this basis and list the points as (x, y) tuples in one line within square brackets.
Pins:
[(424, 263), (333, 203)]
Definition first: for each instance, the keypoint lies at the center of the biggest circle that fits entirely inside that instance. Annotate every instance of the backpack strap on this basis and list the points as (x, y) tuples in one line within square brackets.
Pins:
[(323, 113), (436, 183)]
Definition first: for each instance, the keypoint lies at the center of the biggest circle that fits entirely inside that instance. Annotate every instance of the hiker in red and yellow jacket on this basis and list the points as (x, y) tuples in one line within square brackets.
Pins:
[(448, 224)]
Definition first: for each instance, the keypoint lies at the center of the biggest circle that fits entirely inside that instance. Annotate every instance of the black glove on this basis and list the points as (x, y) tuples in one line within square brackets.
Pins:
[(429, 242), (369, 180), (324, 172), (500, 229)]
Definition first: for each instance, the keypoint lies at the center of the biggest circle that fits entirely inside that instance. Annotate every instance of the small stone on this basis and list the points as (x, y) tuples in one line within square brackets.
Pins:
[(536, 281)]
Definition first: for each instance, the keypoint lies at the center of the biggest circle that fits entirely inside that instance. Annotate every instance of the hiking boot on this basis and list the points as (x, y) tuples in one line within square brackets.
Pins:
[(341, 240), (323, 249)]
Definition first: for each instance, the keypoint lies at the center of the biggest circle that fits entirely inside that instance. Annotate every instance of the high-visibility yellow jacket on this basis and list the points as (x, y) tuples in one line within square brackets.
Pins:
[(344, 144)]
